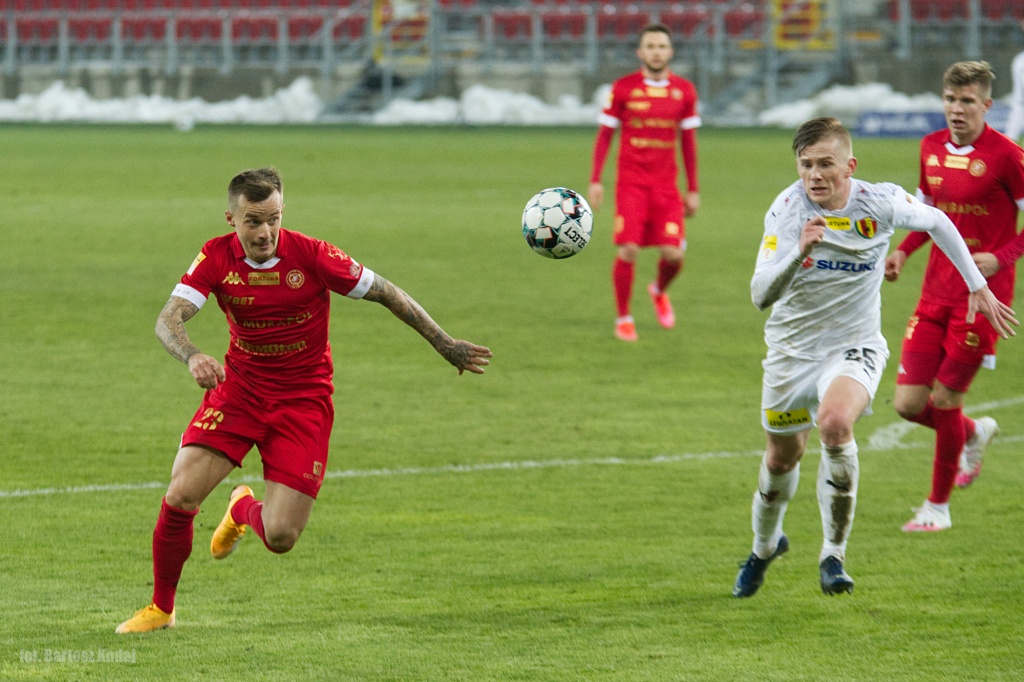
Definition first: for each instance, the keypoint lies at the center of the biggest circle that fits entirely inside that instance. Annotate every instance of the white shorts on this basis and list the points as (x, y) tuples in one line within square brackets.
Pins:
[(793, 388)]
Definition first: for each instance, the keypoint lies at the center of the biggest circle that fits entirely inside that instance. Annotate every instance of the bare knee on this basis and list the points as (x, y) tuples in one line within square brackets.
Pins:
[(835, 427), (282, 540)]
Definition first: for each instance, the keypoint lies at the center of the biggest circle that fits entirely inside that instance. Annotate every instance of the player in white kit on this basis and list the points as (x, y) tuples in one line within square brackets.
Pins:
[(820, 268)]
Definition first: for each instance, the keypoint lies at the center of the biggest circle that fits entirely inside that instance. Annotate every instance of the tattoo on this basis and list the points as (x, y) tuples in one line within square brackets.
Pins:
[(170, 328), (409, 311)]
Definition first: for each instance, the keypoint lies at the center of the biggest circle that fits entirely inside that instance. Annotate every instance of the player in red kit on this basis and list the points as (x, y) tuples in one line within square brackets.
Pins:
[(975, 175), (653, 108), (273, 389)]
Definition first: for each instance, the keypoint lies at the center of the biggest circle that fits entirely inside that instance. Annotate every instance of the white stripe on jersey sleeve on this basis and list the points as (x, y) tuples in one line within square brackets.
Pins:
[(690, 122), (608, 121), (363, 285), (191, 295)]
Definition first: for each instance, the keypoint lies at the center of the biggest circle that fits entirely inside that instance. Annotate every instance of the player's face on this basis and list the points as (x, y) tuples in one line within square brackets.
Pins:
[(655, 52), (258, 226), (826, 168), (965, 109)]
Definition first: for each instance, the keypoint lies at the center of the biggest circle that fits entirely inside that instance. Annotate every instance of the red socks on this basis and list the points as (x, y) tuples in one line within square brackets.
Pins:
[(949, 441), (172, 545), (249, 511), (667, 272), (622, 279)]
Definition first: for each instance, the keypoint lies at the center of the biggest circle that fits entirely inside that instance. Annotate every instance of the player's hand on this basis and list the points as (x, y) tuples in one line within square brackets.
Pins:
[(812, 235), (894, 265), (466, 356), (207, 372), (1000, 315), (987, 263), (595, 195), (691, 204)]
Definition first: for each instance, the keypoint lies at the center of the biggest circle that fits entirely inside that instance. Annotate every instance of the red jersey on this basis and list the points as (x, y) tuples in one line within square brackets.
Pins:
[(278, 311), (650, 114), (981, 188)]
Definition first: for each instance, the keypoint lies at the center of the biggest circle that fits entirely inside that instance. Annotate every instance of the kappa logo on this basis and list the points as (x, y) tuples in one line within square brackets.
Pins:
[(232, 278)]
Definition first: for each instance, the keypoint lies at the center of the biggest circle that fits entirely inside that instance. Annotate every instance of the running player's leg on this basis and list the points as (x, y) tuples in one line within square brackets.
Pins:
[(196, 472), (847, 386)]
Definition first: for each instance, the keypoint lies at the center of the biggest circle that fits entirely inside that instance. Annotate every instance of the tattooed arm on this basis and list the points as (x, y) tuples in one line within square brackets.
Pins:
[(463, 355), (170, 329)]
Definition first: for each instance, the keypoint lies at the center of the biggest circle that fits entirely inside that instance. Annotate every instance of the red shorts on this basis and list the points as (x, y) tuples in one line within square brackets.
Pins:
[(292, 435), (649, 216), (940, 346)]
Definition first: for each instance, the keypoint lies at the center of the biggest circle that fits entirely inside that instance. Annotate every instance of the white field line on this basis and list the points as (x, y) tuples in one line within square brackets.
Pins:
[(888, 437)]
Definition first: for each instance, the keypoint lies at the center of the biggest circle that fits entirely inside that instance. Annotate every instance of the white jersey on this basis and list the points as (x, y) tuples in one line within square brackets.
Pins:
[(832, 300)]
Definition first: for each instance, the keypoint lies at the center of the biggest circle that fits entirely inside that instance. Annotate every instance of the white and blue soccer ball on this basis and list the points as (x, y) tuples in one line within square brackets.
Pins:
[(557, 222)]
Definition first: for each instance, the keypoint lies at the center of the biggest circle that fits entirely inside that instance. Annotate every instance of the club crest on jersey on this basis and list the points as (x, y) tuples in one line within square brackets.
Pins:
[(295, 279), (867, 227), (977, 168)]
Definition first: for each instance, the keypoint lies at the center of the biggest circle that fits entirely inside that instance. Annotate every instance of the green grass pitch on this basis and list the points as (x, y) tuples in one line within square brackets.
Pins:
[(577, 513)]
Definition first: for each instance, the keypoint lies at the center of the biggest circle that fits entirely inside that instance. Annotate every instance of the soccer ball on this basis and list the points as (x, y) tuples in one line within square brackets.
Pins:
[(557, 222)]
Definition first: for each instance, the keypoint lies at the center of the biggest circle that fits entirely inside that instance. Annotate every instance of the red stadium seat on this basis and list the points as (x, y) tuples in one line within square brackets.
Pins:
[(512, 25), (564, 24), (90, 30), (744, 21), (198, 29), (350, 27), (34, 31), (305, 27), (621, 24), (142, 29), (688, 22), (254, 29), (938, 10)]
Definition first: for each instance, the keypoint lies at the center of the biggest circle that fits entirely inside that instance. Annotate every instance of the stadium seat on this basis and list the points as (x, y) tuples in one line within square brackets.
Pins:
[(250, 29), (89, 30), (304, 27), (198, 29), (351, 27), (938, 10), (688, 22), (564, 24), (36, 31), (1003, 10), (512, 25), (143, 29), (621, 24), (744, 21)]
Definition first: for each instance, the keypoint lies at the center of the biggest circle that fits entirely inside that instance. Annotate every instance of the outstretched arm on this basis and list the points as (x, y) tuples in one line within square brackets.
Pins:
[(170, 329), (463, 355)]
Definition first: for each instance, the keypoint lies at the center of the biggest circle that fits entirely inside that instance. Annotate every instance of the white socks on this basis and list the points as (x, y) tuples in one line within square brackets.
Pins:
[(837, 496), (773, 495)]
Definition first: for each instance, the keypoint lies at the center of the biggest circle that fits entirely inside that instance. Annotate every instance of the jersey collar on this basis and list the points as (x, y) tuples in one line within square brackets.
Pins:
[(282, 249)]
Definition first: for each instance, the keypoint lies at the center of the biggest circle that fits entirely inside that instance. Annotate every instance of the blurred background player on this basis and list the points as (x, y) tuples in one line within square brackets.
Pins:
[(274, 388), (651, 106), (975, 175), (1015, 124), (820, 270)]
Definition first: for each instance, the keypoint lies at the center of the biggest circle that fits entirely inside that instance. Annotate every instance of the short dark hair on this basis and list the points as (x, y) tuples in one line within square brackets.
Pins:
[(255, 184), (653, 28), (817, 129), (962, 74)]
